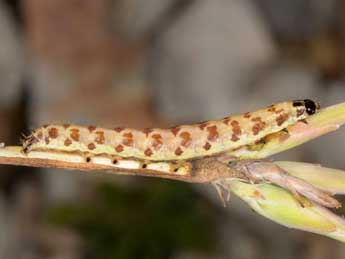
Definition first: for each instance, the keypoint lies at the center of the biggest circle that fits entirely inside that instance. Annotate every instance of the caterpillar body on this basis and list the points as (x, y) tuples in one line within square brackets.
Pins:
[(183, 142)]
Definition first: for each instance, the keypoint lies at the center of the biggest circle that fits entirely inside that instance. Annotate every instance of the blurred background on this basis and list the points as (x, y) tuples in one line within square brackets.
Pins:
[(157, 63)]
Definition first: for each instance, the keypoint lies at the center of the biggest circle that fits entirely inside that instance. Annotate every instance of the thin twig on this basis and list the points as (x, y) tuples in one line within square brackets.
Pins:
[(203, 170)]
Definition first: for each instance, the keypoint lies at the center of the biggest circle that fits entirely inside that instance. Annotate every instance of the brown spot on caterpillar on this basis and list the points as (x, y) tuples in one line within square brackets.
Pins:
[(282, 118), (91, 128), (234, 138), (74, 134), (99, 139), (118, 129), (175, 130), (186, 139), (212, 133), (203, 125), (207, 146), (46, 140), (53, 132), (258, 126), (300, 112), (236, 129), (256, 119), (235, 123), (148, 152), (147, 131), (157, 141), (178, 151), (91, 146), (128, 139), (119, 148), (67, 142), (45, 126), (40, 135), (273, 109), (247, 115), (66, 125)]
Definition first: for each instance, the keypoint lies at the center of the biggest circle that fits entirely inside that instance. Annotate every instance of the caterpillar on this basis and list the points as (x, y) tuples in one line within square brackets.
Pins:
[(183, 142)]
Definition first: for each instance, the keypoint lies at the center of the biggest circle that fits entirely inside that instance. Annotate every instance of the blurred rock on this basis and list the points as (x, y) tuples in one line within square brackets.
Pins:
[(72, 54), (286, 80), (78, 63), (297, 20), (136, 18), (202, 64)]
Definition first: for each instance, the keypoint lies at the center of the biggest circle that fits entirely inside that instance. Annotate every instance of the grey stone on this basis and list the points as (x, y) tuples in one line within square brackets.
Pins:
[(295, 19), (134, 18), (202, 63)]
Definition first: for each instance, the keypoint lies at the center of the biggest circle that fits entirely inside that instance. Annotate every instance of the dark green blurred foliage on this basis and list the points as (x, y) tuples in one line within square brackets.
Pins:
[(153, 220)]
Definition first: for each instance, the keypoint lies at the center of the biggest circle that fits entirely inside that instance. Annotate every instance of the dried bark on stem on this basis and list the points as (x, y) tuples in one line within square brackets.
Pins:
[(202, 171)]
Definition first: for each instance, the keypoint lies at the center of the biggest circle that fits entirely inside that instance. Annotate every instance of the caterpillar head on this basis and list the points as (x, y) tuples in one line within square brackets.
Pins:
[(308, 106)]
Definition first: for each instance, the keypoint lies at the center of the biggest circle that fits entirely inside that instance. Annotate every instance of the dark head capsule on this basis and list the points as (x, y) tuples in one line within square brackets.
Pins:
[(310, 106)]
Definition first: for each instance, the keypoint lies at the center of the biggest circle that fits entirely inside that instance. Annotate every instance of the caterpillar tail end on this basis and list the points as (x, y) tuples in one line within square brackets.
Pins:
[(27, 142)]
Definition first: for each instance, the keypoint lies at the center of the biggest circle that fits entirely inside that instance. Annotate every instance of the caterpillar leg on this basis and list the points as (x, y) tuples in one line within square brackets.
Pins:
[(223, 192)]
